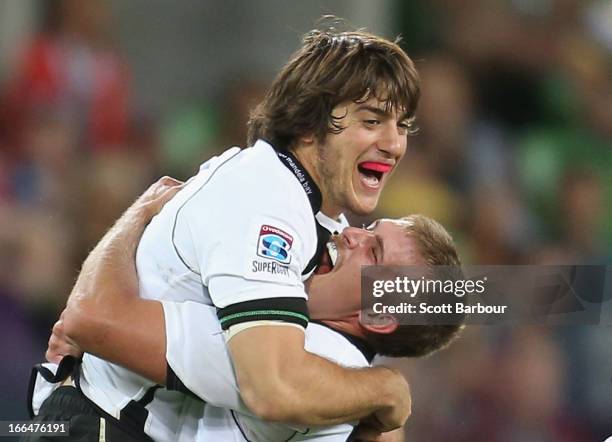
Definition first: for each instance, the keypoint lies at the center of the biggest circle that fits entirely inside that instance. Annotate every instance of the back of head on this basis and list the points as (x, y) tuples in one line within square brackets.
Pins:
[(331, 68), (437, 248)]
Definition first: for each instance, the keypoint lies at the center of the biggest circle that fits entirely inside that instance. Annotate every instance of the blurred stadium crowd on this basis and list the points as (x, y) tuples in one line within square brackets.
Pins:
[(514, 156)]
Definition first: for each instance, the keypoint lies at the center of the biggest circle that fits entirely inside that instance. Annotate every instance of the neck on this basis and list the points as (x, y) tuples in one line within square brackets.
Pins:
[(349, 325), (307, 155), (332, 212)]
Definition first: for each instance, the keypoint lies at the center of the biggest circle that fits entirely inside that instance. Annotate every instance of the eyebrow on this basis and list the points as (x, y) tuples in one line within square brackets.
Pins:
[(379, 111), (373, 109)]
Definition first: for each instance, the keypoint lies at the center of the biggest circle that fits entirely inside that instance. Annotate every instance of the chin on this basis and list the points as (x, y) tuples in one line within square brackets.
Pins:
[(364, 206)]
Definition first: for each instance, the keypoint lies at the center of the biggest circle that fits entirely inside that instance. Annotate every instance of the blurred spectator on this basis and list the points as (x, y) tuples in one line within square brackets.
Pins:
[(72, 71), (46, 175), (445, 118), (65, 107), (514, 156)]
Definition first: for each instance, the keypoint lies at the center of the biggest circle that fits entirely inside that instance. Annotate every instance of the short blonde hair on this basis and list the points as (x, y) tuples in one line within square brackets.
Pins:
[(435, 243), (437, 248)]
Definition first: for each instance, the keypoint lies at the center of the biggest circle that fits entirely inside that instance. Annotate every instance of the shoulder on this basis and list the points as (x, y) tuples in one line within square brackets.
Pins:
[(251, 181), (247, 203)]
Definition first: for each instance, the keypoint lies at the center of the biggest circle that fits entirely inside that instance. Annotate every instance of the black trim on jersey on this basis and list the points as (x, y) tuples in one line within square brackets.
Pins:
[(314, 196), (131, 424), (232, 412), (323, 236), (301, 174), (361, 344), (242, 432), (174, 383), (287, 309), (135, 413), (66, 367)]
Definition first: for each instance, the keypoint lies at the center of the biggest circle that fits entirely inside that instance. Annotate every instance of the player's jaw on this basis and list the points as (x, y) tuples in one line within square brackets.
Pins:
[(353, 183)]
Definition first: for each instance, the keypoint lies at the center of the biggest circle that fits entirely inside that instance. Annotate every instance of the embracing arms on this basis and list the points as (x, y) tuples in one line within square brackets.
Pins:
[(303, 388), (105, 316)]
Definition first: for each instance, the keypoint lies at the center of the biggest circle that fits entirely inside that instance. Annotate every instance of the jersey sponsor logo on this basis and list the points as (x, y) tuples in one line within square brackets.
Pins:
[(274, 243), (270, 267)]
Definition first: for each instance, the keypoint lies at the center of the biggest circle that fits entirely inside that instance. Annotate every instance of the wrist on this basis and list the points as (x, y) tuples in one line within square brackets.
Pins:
[(391, 386), (139, 212)]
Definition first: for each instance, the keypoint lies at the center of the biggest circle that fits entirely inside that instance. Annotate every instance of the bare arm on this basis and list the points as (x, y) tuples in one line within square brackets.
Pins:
[(306, 389)]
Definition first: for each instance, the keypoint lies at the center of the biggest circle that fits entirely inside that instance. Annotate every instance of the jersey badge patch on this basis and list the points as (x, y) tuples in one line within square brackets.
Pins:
[(274, 243)]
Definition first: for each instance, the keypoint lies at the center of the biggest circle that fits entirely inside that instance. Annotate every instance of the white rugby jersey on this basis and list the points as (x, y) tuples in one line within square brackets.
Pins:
[(239, 236), (203, 365)]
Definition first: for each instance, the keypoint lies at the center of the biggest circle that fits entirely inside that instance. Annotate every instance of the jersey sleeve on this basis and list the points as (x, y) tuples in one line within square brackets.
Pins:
[(197, 356), (199, 364), (250, 249)]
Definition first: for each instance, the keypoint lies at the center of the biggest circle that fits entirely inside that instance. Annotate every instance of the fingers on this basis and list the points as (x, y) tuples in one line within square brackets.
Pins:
[(171, 190), (365, 432), (169, 181), (158, 194), (60, 345), (168, 187), (367, 437), (161, 186), (51, 356)]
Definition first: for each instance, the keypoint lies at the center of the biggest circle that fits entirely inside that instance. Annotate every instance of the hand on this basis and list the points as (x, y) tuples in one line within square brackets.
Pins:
[(60, 344), (157, 195), (364, 432), (391, 418)]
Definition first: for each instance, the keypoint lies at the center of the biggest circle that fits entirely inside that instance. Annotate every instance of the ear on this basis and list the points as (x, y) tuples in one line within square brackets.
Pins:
[(376, 323), (307, 139)]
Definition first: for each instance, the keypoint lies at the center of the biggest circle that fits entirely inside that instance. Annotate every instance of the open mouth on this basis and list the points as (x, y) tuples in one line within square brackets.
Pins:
[(372, 172), (329, 258), (332, 250)]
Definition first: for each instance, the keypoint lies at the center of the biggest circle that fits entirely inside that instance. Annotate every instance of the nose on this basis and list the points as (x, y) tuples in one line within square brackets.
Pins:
[(355, 237), (392, 143)]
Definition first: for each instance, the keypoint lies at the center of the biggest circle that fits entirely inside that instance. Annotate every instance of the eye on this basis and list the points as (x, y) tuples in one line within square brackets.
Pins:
[(372, 122), (403, 128)]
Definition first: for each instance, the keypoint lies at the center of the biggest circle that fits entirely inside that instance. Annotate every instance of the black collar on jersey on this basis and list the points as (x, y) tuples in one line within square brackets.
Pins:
[(304, 178), (360, 343), (314, 196), (323, 236)]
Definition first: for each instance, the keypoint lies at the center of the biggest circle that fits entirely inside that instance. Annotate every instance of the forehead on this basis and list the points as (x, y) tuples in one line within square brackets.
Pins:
[(400, 248)]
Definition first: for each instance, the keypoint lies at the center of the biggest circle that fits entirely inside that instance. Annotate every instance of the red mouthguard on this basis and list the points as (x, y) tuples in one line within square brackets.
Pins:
[(376, 167)]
